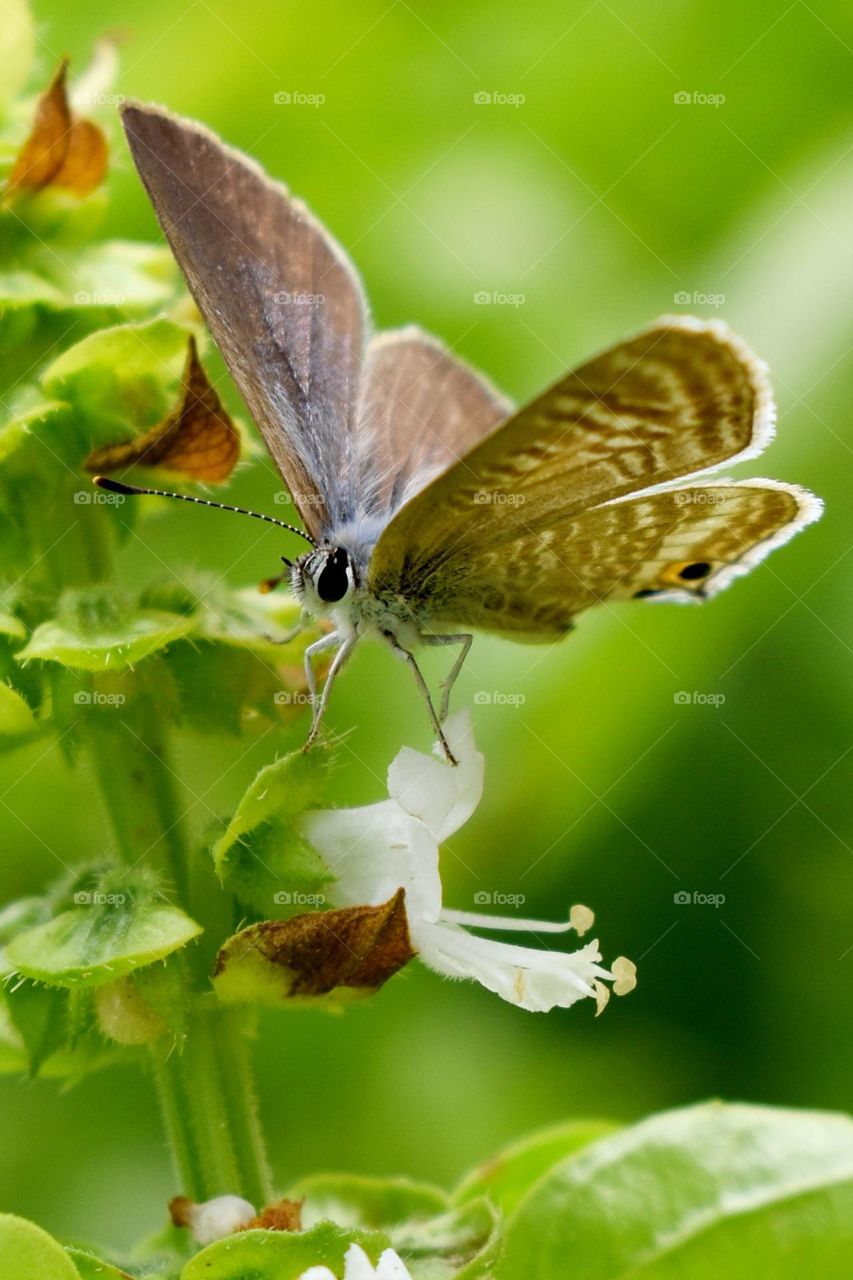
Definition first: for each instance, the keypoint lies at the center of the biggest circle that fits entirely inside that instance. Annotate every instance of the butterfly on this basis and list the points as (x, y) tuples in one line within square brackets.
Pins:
[(433, 507)]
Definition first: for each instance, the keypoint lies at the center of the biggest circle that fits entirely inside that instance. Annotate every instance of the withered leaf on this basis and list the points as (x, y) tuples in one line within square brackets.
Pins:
[(284, 1215), (179, 1210), (61, 150), (197, 439), (314, 954)]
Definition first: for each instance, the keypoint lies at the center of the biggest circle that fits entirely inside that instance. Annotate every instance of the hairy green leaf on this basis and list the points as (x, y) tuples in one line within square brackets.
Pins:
[(280, 1255), (109, 936)]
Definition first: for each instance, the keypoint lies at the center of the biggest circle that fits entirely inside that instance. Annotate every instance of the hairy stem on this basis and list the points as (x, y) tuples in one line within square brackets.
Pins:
[(205, 1081), (207, 1097)]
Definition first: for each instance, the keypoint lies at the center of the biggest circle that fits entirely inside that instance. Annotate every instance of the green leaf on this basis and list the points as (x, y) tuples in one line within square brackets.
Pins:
[(17, 46), (261, 855), (91, 1268), (118, 277), (507, 1177), (123, 374), (464, 1242), (280, 1255), (282, 789), (11, 625), (377, 1203), (749, 1193), (26, 289), (39, 1015), (28, 1253), (99, 942), (13, 1055), (434, 1240), (96, 630), (15, 714)]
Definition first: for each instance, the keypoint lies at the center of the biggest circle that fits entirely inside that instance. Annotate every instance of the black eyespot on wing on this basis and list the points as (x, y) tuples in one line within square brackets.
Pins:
[(333, 583), (646, 593), (691, 572)]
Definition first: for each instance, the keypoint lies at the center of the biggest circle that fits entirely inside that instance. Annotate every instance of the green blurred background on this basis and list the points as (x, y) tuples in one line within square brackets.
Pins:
[(602, 201)]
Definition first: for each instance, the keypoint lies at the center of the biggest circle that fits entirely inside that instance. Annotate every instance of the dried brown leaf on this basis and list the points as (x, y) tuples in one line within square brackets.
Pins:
[(60, 150), (316, 953), (198, 439)]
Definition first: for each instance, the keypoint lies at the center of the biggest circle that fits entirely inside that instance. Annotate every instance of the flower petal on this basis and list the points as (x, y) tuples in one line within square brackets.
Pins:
[(442, 795), (391, 1267), (374, 851), (532, 979)]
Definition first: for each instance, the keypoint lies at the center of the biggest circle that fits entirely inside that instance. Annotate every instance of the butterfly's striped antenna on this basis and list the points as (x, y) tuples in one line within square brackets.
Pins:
[(132, 490)]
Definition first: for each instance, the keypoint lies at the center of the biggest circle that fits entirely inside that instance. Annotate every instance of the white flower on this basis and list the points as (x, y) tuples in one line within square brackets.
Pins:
[(378, 849), (357, 1266)]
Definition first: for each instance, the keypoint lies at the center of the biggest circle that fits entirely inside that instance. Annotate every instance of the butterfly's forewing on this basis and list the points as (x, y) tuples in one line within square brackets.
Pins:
[(678, 544), (279, 296), (680, 398), (420, 410)]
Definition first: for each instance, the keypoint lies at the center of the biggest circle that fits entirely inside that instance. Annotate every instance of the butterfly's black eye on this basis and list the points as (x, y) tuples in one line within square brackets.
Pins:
[(691, 572), (333, 581)]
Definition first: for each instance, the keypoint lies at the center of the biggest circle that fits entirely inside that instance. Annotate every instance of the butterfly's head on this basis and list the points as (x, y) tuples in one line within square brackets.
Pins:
[(323, 578)]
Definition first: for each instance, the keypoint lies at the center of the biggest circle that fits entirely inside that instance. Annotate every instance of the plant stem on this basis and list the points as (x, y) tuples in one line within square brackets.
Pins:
[(207, 1097), (138, 786), (205, 1081)]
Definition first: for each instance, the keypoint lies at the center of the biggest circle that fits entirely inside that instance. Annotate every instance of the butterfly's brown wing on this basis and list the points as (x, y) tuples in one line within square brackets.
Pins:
[(680, 544), (420, 410), (515, 535), (678, 399), (279, 296)]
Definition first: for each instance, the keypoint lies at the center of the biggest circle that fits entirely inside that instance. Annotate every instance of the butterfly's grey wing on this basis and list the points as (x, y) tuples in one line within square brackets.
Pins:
[(420, 411), (278, 294), (678, 544)]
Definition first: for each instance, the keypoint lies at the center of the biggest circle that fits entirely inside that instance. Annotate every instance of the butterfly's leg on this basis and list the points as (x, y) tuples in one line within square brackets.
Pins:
[(465, 641), (347, 643), (319, 646), (424, 688), (296, 630)]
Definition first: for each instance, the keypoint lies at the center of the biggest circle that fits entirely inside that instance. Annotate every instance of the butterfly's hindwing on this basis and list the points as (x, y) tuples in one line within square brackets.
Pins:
[(420, 410), (680, 544)]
